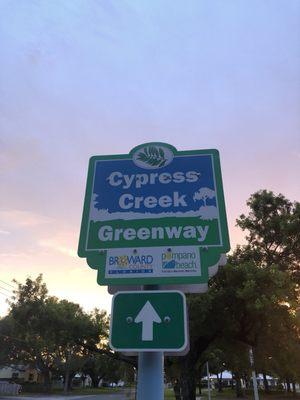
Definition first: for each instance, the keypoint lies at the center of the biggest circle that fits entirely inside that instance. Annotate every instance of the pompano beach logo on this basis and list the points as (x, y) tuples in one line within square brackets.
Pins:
[(152, 156), (167, 260), (172, 261)]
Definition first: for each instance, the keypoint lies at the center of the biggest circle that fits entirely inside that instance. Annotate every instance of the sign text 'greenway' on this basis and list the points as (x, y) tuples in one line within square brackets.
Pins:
[(107, 233)]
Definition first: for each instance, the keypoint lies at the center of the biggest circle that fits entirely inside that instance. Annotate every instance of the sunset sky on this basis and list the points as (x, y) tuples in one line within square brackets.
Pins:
[(81, 78)]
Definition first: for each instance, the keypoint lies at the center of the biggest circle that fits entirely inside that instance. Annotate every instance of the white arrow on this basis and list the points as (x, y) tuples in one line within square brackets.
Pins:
[(147, 316)]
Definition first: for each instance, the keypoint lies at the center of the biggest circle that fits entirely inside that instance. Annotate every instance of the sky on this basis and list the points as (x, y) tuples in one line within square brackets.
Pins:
[(88, 77)]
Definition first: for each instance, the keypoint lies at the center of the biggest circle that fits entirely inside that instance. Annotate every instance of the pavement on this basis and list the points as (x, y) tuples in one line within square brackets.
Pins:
[(125, 395)]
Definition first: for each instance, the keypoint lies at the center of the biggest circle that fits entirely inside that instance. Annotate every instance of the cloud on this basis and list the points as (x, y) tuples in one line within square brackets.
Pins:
[(19, 254), (19, 218), (4, 232), (62, 243)]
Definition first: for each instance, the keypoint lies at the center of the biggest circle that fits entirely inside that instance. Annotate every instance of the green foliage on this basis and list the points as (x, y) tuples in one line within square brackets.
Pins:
[(100, 366), (58, 337), (48, 333), (251, 298), (252, 301), (33, 291), (273, 226)]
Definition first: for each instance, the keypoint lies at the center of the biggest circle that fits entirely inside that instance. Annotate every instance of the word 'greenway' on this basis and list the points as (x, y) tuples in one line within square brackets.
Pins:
[(107, 233)]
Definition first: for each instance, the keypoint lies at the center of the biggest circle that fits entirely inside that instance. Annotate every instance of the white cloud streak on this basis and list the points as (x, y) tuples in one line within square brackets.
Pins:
[(19, 218)]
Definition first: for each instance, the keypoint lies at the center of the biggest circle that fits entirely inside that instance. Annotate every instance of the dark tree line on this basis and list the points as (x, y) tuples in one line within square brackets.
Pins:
[(252, 302), (57, 337)]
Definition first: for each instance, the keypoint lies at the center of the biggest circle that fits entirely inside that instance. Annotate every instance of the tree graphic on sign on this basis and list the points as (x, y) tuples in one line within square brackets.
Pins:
[(204, 194)]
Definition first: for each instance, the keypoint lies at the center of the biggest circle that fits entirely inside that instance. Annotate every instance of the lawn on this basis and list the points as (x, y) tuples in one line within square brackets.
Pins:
[(229, 394), (76, 392)]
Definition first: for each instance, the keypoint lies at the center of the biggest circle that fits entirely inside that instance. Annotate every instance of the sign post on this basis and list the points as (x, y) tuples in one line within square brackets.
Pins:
[(153, 218), (150, 376), (150, 322)]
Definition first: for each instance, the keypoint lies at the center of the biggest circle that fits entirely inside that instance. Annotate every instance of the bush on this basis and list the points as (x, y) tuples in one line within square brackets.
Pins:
[(35, 388)]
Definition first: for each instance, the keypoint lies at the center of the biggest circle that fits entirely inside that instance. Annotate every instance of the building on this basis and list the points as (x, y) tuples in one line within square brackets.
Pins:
[(21, 373)]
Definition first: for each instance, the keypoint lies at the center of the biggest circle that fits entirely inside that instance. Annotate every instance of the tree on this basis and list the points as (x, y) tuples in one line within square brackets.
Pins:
[(49, 333), (216, 357), (278, 349), (244, 304), (56, 336), (19, 328), (231, 354), (71, 325), (102, 367), (203, 330), (273, 226)]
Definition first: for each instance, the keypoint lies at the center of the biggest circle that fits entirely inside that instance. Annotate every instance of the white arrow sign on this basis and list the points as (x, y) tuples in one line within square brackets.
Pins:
[(147, 316)]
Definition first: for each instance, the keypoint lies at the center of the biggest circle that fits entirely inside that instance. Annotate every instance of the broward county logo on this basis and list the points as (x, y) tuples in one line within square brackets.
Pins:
[(125, 260), (153, 156)]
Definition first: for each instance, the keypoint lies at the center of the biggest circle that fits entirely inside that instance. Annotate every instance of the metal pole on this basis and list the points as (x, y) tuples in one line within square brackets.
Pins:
[(150, 371), (255, 390), (208, 381), (150, 376)]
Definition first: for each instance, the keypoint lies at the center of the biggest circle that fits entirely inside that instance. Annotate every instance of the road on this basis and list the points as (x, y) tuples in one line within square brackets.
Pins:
[(126, 395)]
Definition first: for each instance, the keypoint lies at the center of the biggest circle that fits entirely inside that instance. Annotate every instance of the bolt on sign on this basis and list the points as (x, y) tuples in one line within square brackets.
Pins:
[(154, 216)]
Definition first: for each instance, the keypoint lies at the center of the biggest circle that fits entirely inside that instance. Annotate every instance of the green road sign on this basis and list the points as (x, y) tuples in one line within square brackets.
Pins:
[(154, 216), (148, 321)]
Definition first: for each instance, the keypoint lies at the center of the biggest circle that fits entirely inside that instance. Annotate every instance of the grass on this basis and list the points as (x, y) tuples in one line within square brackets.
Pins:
[(75, 392), (229, 394), (81, 391), (169, 394)]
